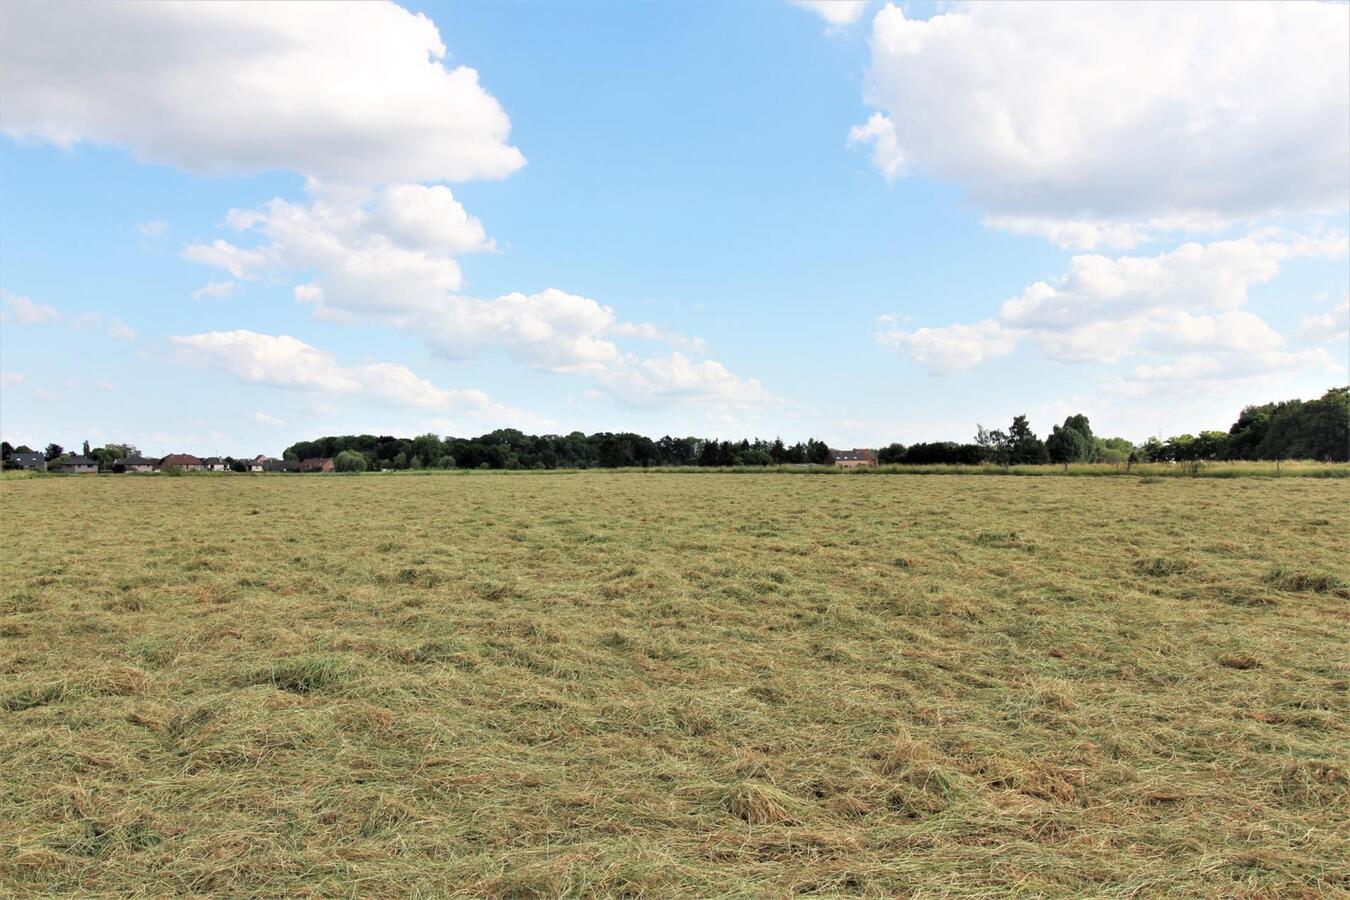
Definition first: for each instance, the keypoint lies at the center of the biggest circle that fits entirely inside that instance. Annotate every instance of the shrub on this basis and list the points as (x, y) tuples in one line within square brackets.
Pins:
[(349, 461)]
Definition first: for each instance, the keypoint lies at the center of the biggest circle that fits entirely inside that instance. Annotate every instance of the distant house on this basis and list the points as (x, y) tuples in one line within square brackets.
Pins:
[(854, 459), (183, 462), (35, 461), (259, 463), (317, 464), (281, 465), (80, 465), (135, 463), (215, 464)]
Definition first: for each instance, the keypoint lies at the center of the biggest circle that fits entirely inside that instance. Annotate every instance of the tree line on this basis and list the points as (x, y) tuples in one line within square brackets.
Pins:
[(1293, 429), (509, 448)]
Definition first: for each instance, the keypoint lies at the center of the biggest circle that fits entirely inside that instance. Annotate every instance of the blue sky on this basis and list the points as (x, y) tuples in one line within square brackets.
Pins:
[(224, 229)]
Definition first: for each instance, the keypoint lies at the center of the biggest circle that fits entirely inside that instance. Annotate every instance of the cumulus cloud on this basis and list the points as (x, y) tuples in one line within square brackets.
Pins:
[(552, 329), (270, 359), (1105, 288), (1103, 123), (389, 251), (154, 228), (287, 362), (1239, 375), (950, 348), (1331, 326), (836, 13), (428, 218), (389, 256), (356, 93), (675, 378), (1104, 309), (216, 290)]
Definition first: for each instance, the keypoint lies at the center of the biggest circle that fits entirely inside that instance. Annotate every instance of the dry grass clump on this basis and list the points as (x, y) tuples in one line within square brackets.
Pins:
[(1287, 579), (612, 684)]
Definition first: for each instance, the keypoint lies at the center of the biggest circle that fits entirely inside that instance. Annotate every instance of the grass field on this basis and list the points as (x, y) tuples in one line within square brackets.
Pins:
[(660, 684)]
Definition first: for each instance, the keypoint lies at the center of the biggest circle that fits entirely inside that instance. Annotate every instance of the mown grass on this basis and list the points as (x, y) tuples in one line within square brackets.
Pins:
[(654, 685)]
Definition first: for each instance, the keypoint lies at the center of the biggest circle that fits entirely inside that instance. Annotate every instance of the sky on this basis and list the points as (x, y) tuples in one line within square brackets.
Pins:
[(225, 228)]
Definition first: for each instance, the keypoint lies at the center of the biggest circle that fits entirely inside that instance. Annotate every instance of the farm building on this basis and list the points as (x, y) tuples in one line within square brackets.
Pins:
[(281, 465), (80, 465), (215, 464), (35, 461), (135, 463), (184, 462), (317, 464), (854, 459)]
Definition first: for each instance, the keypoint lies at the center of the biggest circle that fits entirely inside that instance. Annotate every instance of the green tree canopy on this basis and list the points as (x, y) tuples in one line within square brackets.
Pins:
[(349, 461)]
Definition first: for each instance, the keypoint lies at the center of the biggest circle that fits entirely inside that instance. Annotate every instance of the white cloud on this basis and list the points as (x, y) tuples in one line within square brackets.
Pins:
[(216, 290), (1100, 123), (240, 263), (387, 251), (1098, 288), (1222, 368), (287, 362), (836, 13), (263, 418), (951, 348), (154, 228), (270, 359), (1105, 309), (347, 92), (11, 378), (120, 330), (1332, 326), (675, 378), (389, 256), (428, 218), (25, 311), (879, 131), (1102, 307), (552, 329)]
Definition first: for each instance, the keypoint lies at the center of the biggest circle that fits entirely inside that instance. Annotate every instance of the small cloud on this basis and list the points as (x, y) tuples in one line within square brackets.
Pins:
[(838, 14), (1330, 326), (121, 331), (11, 378), (154, 228), (263, 418), (216, 290), (25, 311), (105, 386)]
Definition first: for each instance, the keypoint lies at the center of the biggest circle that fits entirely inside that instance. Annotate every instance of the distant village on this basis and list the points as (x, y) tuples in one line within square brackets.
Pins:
[(81, 464)]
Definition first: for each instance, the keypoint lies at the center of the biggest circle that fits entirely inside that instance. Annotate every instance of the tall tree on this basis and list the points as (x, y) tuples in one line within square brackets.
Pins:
[(1025, 448)]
